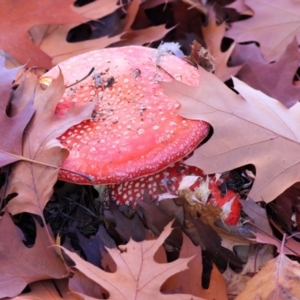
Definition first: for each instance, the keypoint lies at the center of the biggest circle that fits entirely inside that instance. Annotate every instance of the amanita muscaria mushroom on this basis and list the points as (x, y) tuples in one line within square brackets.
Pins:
[(177, 180), (135, 129)]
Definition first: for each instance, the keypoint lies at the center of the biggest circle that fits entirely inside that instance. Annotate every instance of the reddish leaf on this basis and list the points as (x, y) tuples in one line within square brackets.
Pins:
[(213, 35), (14, 125), (21, 265), (19, 16), (48, 290), (272, 33), (257, 214), (190, 280), (276, 79)]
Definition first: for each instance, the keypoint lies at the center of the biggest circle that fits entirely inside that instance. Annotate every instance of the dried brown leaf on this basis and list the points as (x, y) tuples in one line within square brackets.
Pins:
[(213, 34), (138, 275), (13, 125), (250, 128), (143, 36), (196, 4), (190, 280), (240, 6), (272, 33), (235, 282), (21, 265), (257, 214), (52, 40), (291, 247), (278, 280), (19, 16), (258, 257), (49, 290), (33, 182), (275, 79), (56, 46)]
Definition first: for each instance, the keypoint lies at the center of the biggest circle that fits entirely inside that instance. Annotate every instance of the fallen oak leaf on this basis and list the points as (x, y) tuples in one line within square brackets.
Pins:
[(52, 39), (139, 36), (138, 275), (55, 45), (250, 128), (21, 265), (32, 182), (47, 290), (12, 125), (21, 16), (274, 79), (84, 287), (213, 35), (189, 280), (257, 214), (279, 279), (291, 247), (262, 25), (240, 6)]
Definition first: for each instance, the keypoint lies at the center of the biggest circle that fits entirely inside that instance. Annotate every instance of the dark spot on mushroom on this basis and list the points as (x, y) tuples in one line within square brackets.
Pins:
[(109, 82), (94, 114), (136, 73), (143, 107)]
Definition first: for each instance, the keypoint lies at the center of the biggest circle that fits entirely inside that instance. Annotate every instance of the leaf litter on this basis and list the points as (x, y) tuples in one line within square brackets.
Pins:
[(33, 182), (250, 128), (78, 218), (138, 276)]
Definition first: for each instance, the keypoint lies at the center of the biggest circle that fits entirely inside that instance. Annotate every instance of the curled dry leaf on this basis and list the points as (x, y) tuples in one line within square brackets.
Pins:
[(138, 275), (32, 182), (279, 279), (250, 128)]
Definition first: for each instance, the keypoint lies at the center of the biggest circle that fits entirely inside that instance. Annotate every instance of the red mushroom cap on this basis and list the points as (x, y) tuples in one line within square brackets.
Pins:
[(171, 180), (134, 130)]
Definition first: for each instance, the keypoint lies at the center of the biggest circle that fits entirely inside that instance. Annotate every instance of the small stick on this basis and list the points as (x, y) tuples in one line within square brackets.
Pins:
[(91, 71)]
